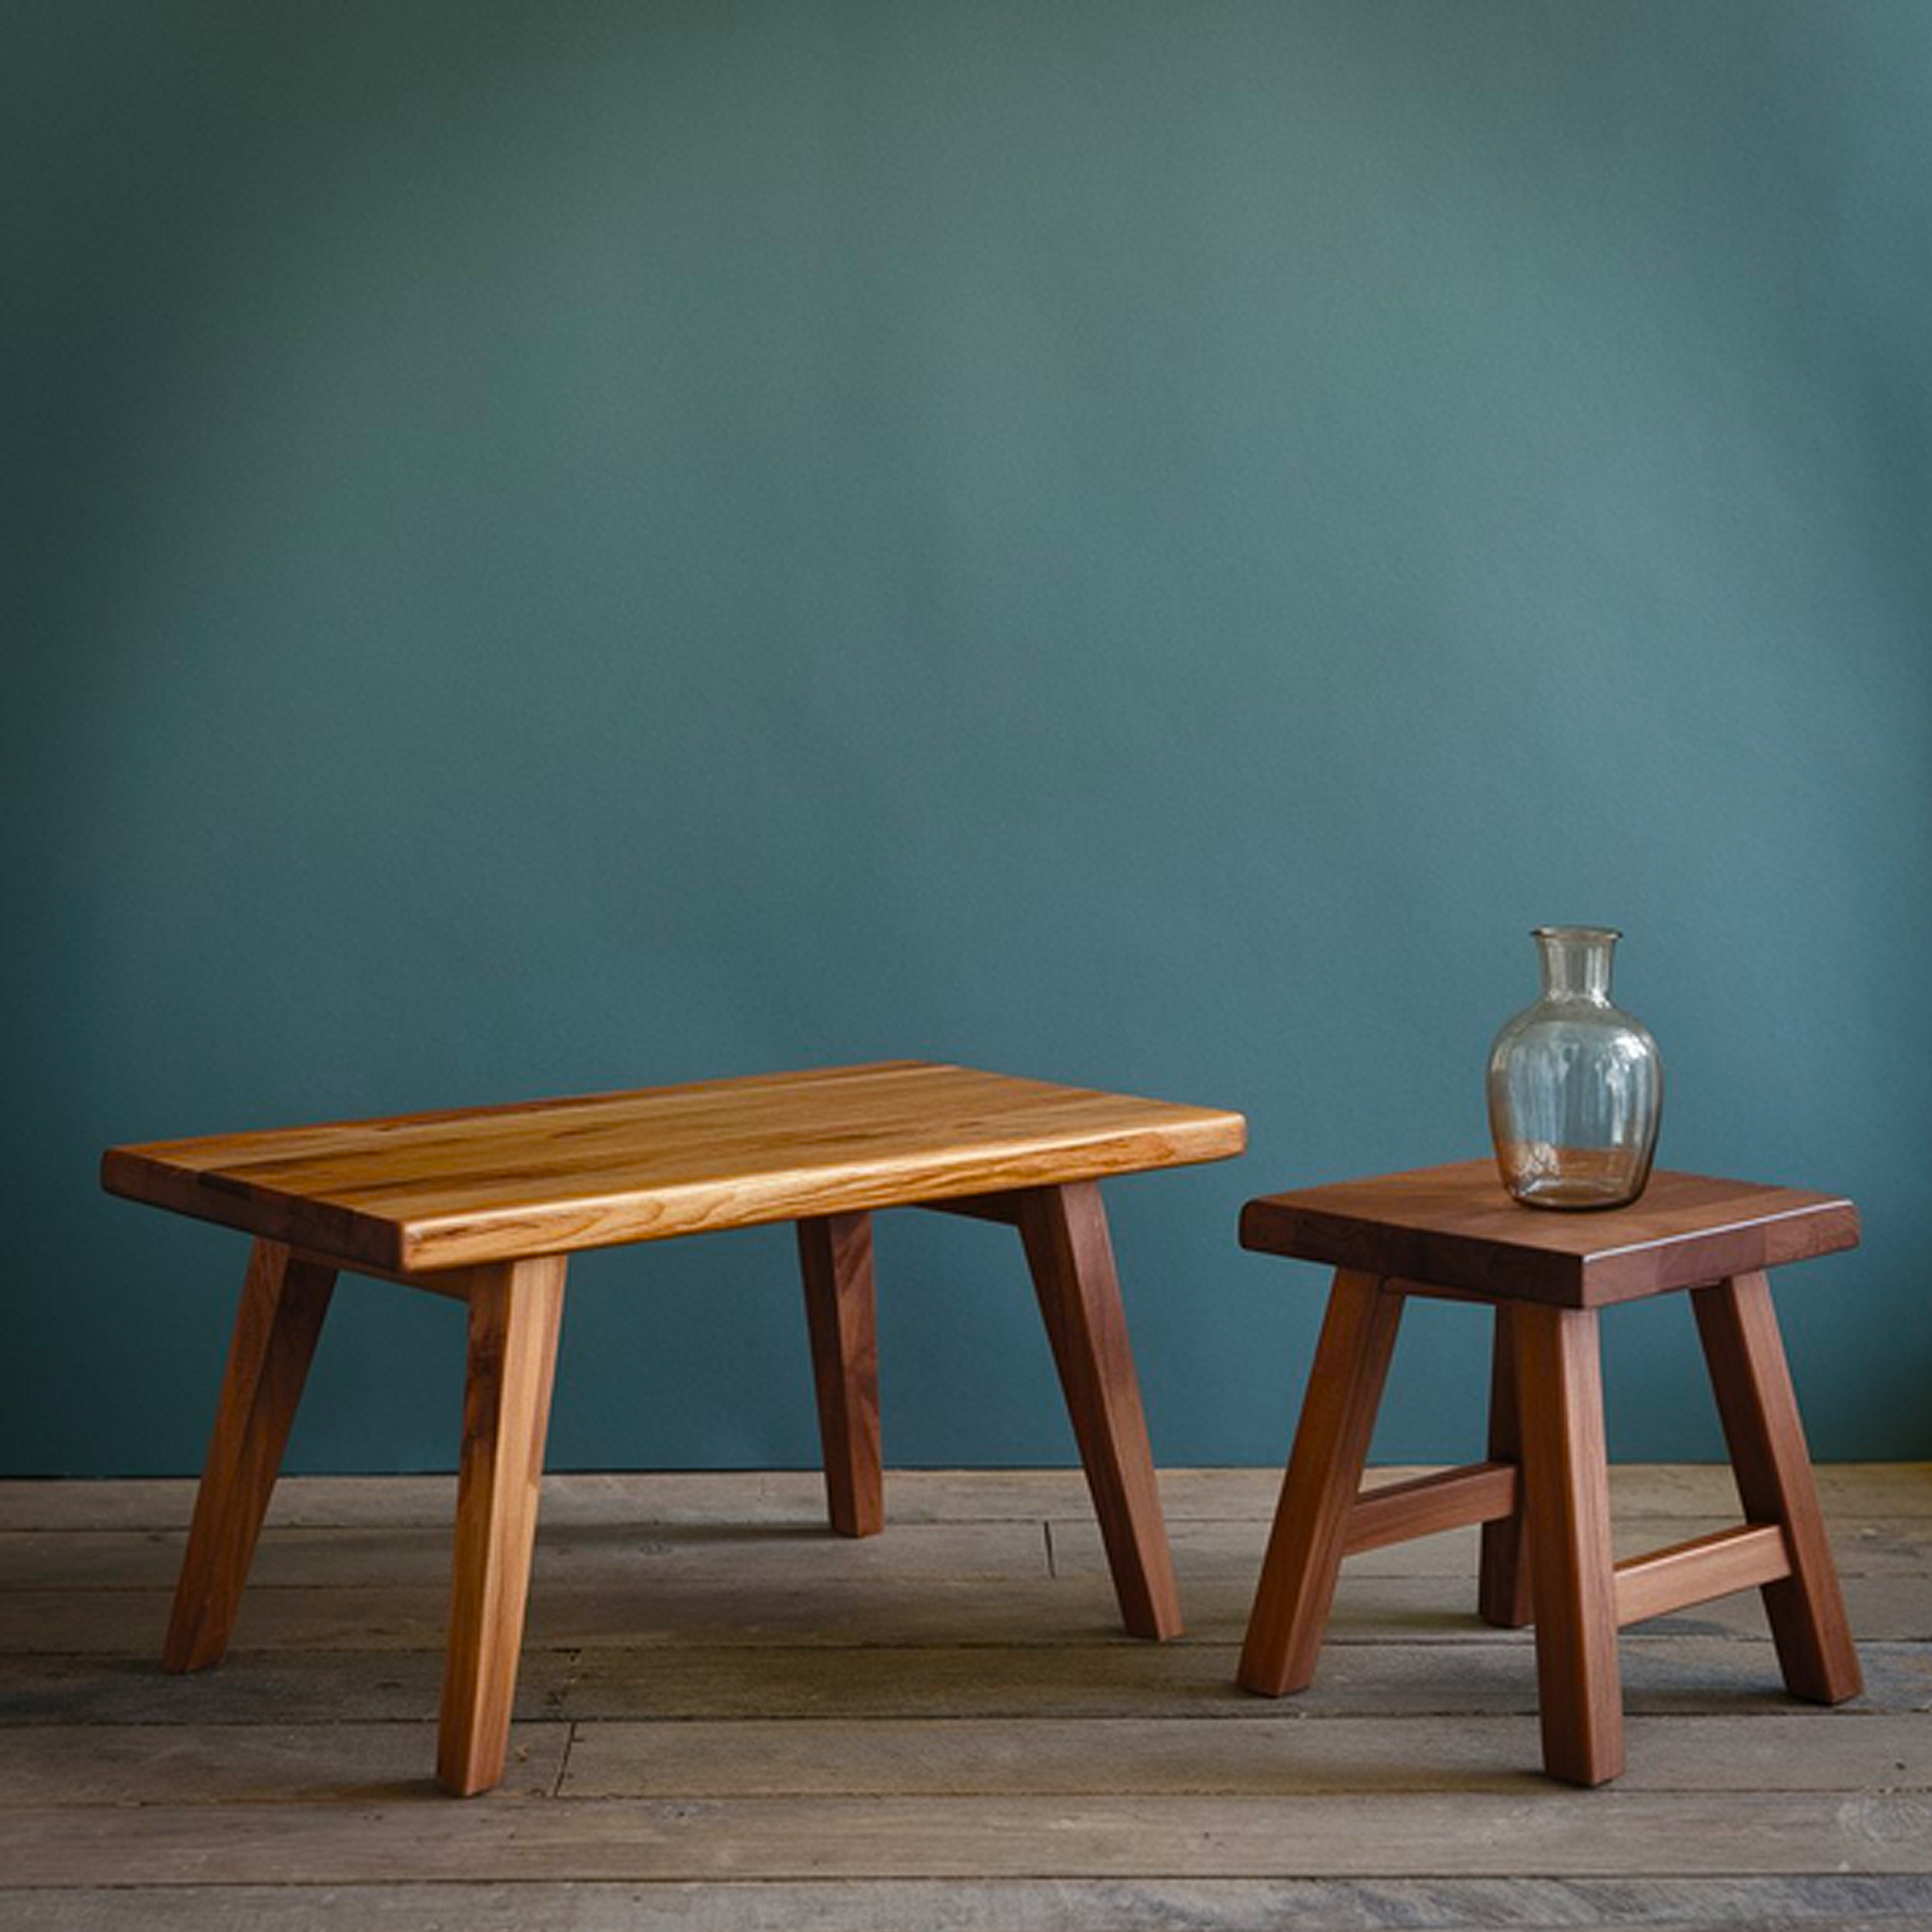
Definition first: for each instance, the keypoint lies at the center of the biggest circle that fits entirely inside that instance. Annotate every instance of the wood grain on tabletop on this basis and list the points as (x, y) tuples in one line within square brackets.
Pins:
[(425, 1191)]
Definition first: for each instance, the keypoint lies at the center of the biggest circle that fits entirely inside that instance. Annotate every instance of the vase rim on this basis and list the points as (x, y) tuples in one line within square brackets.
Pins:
[(1575, 932)]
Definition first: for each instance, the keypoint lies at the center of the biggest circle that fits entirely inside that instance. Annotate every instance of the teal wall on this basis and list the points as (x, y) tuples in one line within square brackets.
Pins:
[(583, 545)]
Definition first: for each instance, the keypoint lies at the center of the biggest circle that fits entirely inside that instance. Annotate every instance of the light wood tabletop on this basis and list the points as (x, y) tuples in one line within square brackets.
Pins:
[(424, 1192)]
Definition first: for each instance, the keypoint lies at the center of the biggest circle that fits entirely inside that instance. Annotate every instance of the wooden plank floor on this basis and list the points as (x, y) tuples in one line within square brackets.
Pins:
[(732, 1721)]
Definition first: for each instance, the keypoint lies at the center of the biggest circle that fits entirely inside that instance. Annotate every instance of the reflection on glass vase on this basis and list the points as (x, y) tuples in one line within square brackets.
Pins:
[(1576, 1088)]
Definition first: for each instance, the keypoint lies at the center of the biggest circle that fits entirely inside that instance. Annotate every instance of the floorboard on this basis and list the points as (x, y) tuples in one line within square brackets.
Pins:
[(1531, 1832), (846, 1609), (1141, 1757), (1835, 1903), (1894, 1490), (729, 1721), (1661, 1676)]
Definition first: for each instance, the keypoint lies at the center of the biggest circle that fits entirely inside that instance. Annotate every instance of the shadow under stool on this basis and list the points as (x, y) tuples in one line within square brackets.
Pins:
[(1541, 1495)]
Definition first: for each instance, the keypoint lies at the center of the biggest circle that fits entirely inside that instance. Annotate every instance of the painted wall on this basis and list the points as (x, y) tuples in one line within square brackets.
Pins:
[(585, 545)]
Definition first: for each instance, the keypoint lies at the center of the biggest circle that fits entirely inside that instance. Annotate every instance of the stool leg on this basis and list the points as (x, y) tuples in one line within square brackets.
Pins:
[(514, 1311), (1560, 1389), (1325, 1474), (283, 1302), (835, 1258), (1503, 1591), (1739, 1328), (1072, 1261)]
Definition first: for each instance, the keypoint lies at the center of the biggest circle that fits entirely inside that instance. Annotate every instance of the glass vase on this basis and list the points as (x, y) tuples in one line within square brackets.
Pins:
[(1576, 1086)]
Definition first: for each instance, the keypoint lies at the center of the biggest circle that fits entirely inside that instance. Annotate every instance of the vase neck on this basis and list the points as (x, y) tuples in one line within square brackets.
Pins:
[(1576, 961)]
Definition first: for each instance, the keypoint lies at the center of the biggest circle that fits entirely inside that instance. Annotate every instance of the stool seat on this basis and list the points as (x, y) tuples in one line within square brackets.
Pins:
[(1542, 1495), (1454, 1228)]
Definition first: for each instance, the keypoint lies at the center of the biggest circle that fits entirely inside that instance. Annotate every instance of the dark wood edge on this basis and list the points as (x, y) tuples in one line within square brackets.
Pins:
[(1456, 1265), (1831, 1227), (1414, 1255)]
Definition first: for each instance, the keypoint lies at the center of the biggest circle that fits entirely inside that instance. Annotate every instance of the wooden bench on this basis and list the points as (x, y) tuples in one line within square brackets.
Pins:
[(484, 1206)]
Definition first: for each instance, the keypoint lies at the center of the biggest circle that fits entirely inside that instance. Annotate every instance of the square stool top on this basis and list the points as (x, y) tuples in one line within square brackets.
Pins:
[(1455, 1227), (423, 1192)]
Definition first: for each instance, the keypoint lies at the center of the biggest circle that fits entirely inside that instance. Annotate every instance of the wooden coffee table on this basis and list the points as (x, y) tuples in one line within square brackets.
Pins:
[(484, 1205), (1542, 1495)]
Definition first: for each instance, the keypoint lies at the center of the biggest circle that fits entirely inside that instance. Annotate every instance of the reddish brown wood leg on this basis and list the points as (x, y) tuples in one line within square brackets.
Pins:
[(514, 1311), (1560, 1392), (1503, 1588), (1072, 1261), (283, 1302), (835, 1258), (1325, 1474), (1739, 1328)]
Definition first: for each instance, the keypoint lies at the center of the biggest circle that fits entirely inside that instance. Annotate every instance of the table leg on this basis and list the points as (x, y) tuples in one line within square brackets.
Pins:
[(1739, 1328), (514, 1311), (835, 1258), (1560, 1387), (1318, 1490), (1065, 1230), (1503, 1591), (283, 1302)]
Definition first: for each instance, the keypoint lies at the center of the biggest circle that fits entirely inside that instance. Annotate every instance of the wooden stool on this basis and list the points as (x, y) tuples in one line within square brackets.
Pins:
[(484, 1206), (1543, 1495)]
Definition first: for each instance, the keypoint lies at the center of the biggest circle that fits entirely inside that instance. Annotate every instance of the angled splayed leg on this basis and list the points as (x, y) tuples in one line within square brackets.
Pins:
[(1318, 1490), (1739, 1328), (835, 1258), (1064, 1229), (284, 1299)]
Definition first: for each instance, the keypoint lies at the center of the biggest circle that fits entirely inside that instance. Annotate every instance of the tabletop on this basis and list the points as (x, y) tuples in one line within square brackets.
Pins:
[(1455, 1227), (424, 1192)]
